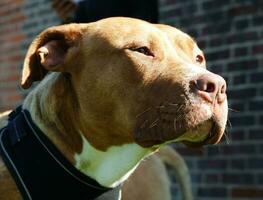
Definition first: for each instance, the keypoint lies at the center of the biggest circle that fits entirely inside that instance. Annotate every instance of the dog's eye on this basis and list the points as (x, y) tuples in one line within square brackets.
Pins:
[(199, 59), (144, 50)]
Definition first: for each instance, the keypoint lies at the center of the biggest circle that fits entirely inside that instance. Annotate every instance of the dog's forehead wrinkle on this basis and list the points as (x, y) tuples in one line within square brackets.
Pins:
[(169, 45), (180, 45)]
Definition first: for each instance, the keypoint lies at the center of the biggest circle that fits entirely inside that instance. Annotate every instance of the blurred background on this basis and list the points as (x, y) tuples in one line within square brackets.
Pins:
[(231, 34)]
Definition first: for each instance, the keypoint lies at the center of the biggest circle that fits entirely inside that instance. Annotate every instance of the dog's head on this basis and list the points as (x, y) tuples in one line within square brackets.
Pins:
[(133, 81)]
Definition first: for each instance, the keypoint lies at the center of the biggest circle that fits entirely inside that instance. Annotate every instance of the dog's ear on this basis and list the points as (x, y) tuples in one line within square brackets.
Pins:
[(52, 50)]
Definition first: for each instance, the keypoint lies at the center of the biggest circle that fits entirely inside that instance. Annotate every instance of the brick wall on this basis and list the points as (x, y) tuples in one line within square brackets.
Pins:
[(11, 20), (20, 22), (231, 34)]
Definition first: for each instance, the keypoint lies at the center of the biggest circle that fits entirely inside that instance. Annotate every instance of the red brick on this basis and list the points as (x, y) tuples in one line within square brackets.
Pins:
[(242, 9), (16, 58), (14, 98), (190, 151), (212, 178), (240, 178), (258, 49), (7, 29), (241, 51), (211, 164), (16, 38), (8, 2), (14, 77), (16, 19), (9, 49), (212, 192), (247, 192)]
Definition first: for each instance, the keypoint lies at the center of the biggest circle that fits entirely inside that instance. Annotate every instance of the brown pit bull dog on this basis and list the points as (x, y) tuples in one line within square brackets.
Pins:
[(113, 92)]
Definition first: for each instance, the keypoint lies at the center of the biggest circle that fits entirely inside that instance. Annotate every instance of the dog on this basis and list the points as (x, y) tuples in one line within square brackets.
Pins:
[(111, 93)]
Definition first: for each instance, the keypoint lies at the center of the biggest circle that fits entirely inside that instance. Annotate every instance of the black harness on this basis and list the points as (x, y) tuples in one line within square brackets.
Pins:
[(40, 171)]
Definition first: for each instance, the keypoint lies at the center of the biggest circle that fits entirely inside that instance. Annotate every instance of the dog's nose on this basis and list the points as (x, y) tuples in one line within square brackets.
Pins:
[(210, 87)]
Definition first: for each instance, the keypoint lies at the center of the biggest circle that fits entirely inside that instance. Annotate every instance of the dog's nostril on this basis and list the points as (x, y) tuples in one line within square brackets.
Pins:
[(205, 85), (210, 87)]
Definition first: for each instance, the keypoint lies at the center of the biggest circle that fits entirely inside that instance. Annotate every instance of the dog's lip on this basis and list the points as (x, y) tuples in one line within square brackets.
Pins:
[(213, 137)]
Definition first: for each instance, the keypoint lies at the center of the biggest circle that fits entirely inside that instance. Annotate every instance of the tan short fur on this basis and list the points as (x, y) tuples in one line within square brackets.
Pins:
[(115, 83)]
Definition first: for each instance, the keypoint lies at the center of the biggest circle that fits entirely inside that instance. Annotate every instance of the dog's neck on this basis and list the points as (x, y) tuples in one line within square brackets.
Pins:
[(112, 167), (109, 167)]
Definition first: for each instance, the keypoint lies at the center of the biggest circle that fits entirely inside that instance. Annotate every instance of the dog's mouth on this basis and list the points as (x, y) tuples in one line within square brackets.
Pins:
[(208, 133), (195, 127)]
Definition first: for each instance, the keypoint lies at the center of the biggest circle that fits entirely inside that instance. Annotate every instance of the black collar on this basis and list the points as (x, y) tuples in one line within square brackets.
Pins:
[(39, 168)]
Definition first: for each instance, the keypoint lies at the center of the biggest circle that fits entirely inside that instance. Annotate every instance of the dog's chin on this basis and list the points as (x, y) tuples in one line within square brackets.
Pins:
[(196, 125), (208, 132)]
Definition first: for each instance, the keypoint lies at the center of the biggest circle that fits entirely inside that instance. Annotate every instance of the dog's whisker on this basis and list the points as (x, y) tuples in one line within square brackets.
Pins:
[(179, 108), (229, 123), (180, 124), (180, 117), (174, 104), (226, 131), (143, 124), (154, 123), (233, 110), (174, 124), (226, 137), (140, 114), (210, 134), (162, 106)]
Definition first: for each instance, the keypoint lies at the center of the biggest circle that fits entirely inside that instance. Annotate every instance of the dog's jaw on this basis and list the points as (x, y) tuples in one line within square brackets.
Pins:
[(113, 166), (198, 124)]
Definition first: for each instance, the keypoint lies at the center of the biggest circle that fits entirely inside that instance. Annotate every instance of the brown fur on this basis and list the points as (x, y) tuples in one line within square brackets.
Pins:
[(103, 87)]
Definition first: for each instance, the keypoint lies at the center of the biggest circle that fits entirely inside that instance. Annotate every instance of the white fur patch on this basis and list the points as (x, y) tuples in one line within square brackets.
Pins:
[(112, 167)]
